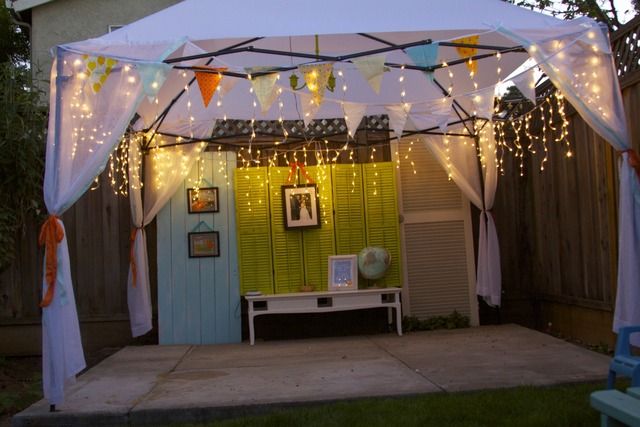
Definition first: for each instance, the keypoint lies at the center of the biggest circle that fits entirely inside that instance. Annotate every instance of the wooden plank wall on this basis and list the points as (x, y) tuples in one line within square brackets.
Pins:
[(558, 233), (97, 228)]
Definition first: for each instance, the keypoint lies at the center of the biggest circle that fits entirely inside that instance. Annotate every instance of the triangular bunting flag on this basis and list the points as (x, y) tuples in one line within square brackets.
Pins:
[(434, 113), (526, 84), (309, 107), (398, 117), (483, 102), (97, 70), (264, 87), (316, 77), (424, 56), (353, 114), (152, 76), (372, 69), (466, 52), (208, 79)]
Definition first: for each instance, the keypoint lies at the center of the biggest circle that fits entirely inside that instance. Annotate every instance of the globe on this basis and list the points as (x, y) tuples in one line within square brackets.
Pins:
[(373, 262)]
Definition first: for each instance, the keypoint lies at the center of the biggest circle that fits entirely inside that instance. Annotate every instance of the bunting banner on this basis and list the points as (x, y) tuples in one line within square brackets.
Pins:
[(316, 77), (309, 107), (208, 79), (152, 76), (435, 113), (483, 102), (466, 52), (264, 87), (97, 70), (398, 117), (424, 56), (353, 114), (526, 84), (372, 69)]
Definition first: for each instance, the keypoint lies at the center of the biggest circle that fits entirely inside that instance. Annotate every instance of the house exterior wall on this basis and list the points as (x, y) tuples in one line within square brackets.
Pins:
[(64, 21)]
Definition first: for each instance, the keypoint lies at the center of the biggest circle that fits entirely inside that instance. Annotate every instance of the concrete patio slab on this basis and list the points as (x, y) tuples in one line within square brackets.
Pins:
[(153, 385)]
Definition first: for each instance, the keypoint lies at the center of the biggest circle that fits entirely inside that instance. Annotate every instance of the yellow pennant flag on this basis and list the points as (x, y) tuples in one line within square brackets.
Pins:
[(466, 52), (208, 80), (316, 77), (97, 70)]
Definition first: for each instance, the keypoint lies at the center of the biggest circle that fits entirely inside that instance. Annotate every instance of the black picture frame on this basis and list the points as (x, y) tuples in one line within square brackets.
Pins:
[(203, 201), (300, 206), (204, 244)]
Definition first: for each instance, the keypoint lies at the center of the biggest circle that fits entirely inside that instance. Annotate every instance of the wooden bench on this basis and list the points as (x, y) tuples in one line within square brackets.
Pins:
[(617, 408), (322, 302)]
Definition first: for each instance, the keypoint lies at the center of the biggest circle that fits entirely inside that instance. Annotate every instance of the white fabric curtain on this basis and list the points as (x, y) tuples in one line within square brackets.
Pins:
[(458, 156), (582, 78), (166, 169), (83, 130)]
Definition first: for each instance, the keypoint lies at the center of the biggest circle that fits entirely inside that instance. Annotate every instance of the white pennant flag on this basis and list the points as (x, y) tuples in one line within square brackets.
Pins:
[(398, 117), (353, 114), (483, 102), (309, 107), (372, 69), (434, 113), (526, 84), (264, 87)]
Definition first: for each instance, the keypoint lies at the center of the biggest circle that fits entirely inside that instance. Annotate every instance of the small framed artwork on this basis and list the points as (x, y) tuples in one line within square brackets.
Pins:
[(343, 272), (300, 206), (202, 201), (204, 244)]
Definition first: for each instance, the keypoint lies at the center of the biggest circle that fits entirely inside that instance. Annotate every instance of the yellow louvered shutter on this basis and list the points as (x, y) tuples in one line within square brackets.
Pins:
[(286, 244), (254, 243), (319, 243), (348, 208), (382, 222)]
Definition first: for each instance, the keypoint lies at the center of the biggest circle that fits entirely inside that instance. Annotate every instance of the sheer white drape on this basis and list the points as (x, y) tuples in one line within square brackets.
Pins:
[(166, 169), (84, 127), (459, 158), (581, 66)]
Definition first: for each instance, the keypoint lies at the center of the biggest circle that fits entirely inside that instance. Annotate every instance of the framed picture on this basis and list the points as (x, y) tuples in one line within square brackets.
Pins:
[(204, 244), (343, 272), (300, 206), (203, 200)]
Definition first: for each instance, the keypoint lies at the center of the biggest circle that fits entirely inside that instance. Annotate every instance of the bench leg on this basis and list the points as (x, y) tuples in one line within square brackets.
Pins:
[(606, 421), (252, 333), (611, 379), (399, 319)]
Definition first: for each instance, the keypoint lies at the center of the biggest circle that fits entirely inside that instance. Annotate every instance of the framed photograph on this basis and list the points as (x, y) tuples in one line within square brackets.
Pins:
[(203, 200), (204, 244), (300, 206), (343, 272)]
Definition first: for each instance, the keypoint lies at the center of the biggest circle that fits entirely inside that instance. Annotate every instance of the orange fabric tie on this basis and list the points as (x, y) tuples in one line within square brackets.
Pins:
[(634, 160), (51, 234), (294, 170), (132, 257)]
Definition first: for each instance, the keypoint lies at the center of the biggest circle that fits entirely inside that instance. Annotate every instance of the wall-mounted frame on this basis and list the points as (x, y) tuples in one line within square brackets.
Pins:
[(204, 244), (300, 206), (343, 272), (202, 201)]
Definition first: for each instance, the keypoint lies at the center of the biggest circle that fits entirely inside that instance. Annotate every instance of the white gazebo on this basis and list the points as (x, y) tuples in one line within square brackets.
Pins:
[(431, 67)]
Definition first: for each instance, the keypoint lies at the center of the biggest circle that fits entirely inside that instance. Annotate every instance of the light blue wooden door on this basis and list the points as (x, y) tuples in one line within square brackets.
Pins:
[(199, 298)]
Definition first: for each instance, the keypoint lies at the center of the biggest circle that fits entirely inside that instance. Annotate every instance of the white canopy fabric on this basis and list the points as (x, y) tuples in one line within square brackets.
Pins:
[(142, 71)]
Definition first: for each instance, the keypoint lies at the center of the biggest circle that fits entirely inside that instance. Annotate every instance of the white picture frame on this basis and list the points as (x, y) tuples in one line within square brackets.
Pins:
[(343, 272)]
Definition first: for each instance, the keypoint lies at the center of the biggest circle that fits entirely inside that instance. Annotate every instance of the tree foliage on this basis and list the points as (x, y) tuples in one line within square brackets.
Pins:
[(604, 11), (22, 128)]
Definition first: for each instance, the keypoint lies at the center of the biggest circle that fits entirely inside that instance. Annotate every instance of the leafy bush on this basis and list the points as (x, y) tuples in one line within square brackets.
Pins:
[(453, 321)]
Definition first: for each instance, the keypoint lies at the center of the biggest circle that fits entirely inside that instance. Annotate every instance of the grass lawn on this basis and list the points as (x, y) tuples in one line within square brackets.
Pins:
[(566, 405)]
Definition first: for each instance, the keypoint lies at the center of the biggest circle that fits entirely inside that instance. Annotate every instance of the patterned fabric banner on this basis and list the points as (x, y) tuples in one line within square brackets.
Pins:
[(97, 70), (466, 52), (398, 117), (153, 76), (353, 114), (316, 77), (424, 56), (264, 87), (372, 69), (208, 80)]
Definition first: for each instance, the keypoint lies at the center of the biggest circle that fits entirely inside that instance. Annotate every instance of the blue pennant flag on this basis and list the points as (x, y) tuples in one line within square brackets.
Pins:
[(153, 76), (424, 56)]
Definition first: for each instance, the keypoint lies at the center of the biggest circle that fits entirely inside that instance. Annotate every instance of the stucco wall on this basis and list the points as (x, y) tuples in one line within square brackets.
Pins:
[(64, 21)]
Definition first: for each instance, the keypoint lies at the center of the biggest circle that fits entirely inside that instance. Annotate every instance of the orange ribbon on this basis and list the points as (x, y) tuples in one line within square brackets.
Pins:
[(294, 169), (51, 234), (132, 257), (634, 160)]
